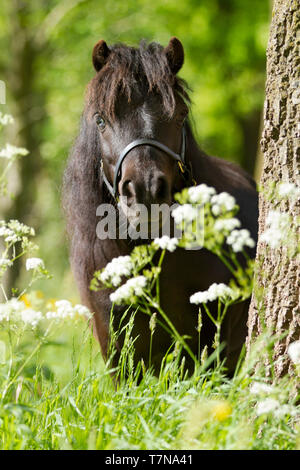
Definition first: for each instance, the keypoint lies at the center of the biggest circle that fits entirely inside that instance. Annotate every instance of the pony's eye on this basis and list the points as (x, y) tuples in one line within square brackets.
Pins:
[(100, 122)]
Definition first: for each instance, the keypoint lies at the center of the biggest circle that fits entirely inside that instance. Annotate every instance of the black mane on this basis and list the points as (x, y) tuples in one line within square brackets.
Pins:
[(138, 71)]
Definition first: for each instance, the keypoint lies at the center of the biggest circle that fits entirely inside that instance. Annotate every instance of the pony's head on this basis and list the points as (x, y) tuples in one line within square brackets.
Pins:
[(136, 98)]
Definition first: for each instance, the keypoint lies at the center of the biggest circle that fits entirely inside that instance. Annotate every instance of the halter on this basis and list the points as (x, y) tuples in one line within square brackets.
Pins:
[(180, 158)]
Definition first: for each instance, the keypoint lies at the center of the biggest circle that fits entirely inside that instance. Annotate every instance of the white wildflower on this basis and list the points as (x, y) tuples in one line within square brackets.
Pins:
[(6, 119), (238, 239), (118, 267), (11, 309), (284, 410), (258, 388), (201, 194), (5, 263), (277, 225), (294, 352), (82, 310), (11, 151), (34, 263), (65, 310), (226, 225), (184, 213), (222, 202), (132, 288), (288, 190), (166, 243), (15, 311), (214, 292), (31, 317), (268, 405)]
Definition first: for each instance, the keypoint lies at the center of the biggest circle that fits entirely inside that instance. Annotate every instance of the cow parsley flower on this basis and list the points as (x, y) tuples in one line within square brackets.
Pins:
[(284, 410), (166, 243), (221, 203), (31, 317), (258, 388), (132, 288), (294, 352), (201, 194), (15, 311), (277, 225), (268, 405), (118, 267), (286, 190), (65, 310), (11, 309), (214, 292), (11, 151), (5, 263), (226, 225), (6, 119), (34, 263), (238, 239), (184, 213)]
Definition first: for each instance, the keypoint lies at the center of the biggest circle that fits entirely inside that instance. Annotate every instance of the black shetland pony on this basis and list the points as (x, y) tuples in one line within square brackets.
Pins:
[(135, 95)]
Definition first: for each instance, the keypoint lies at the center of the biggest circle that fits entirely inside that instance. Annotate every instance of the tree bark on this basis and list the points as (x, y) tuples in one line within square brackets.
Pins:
[(275, 301)]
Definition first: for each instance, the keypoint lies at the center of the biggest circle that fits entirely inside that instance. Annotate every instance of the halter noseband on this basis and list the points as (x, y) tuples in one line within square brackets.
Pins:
[(186, 172)]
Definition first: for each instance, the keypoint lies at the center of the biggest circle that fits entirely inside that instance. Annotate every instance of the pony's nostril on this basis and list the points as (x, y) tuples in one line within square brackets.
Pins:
[(127, 189), (161, 190)]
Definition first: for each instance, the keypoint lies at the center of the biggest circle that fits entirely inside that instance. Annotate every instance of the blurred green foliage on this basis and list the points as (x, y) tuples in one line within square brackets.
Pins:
[(224, 41)]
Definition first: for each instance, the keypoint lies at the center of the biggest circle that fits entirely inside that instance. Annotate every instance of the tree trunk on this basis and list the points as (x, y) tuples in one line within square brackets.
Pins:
[(275, 302), (29, 111)]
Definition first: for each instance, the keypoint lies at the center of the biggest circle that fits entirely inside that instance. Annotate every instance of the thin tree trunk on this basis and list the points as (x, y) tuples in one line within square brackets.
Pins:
[(29, 110), (275, 302)]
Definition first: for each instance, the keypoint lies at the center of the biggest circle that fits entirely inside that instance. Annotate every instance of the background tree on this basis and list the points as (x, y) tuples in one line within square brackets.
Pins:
[(275, 303)]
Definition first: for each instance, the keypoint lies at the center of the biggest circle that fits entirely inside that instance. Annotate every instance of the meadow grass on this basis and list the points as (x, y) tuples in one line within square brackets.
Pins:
[(64, 398)]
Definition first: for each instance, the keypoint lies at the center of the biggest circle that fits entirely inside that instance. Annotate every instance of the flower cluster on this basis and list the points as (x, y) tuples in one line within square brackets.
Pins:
[(15, 311), (34, 263), (201, 194), (238, 239), (4, 264), (277, 224), (271, 405), (221, 203), (258, 388), (10, 151), (294, 352), (288, 190), (65, 310), (166, 243), (14, 231), (132, 288), (226, 225), (214, 292), (113, 272), (184, 213), (5, 119)]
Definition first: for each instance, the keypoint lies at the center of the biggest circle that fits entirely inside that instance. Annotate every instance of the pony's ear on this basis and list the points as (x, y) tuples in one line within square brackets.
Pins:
[(100, 54), (175, 54)]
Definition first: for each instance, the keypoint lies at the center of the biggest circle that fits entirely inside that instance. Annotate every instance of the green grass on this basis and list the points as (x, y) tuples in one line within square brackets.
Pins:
[(64, 398)]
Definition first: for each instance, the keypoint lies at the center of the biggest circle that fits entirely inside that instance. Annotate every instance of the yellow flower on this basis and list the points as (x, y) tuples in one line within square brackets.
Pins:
[(39, 294), (25, 299), (51, 304), (221, 410)]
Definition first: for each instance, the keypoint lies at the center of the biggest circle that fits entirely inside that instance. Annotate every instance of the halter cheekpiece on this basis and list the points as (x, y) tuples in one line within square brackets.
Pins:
[(180, 158)]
